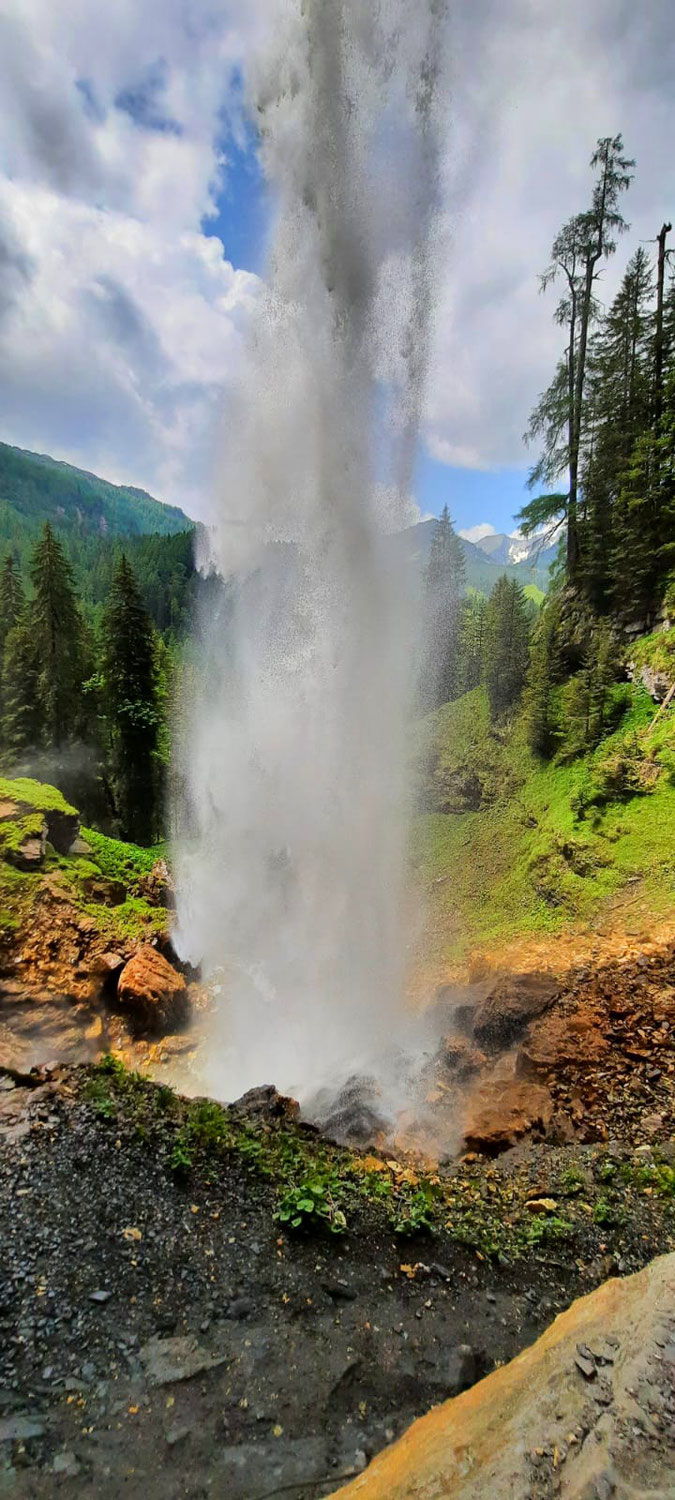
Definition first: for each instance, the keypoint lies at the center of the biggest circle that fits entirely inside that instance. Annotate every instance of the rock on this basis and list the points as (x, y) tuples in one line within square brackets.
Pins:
[(30, 854), (176, 1435), (240, 1308), (558, 1041), (458, 1369), (340, 1291), (166, 1361), (586, 1364), (66, 1464), (158, 887), (502, 1111), (480, 1445), (19, 1428), (265, 1103), (152, 994), (510, 1004), (352, 1116), (100, 1296), (457, 1057)]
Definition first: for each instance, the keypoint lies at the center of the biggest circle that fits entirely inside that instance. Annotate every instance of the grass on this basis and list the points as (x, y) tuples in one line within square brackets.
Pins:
[(538, 858), (656, 651)]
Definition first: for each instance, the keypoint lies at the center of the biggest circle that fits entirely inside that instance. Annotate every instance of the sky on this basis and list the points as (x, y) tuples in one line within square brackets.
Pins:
[(134, 225)]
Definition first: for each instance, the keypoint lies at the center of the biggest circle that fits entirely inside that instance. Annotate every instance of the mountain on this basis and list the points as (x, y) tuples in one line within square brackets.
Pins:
[(506, 550), (35, 489), (482, 569)]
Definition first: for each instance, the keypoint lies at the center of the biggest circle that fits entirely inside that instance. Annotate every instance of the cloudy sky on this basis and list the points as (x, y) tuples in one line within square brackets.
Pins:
[(133, 224)]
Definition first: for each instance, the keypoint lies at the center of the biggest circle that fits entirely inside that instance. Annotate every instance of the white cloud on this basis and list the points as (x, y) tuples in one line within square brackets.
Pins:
[(120, 321), (476, 533)]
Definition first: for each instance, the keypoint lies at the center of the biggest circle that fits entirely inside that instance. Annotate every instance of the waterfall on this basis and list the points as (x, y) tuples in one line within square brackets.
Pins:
[(291, 878)]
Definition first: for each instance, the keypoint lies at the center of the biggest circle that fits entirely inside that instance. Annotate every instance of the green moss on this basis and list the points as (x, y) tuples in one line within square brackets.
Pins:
[(656, 651), (37, 794), (14, 832), (119, 861)]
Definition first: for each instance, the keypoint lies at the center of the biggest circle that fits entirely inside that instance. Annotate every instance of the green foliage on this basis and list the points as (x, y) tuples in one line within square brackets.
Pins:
[(119, 861), (35, 489), (443, 611), (132, 708), (413, 1211), (506, 646), (57, 635), (314, 1201)]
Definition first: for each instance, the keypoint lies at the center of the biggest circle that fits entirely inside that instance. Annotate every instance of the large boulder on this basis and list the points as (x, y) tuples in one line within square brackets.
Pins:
[(510, 1004), (558, 1041), (152, 994), (502, 1111), (585, 1413)]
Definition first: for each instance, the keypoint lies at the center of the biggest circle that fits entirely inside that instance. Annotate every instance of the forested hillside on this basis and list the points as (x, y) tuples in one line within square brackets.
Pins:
[(546, 763), (35, 489)]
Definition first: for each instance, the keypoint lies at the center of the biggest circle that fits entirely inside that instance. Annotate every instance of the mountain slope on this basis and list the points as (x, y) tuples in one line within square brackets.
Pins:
[(35, 488), (503, 550), (482, 571)]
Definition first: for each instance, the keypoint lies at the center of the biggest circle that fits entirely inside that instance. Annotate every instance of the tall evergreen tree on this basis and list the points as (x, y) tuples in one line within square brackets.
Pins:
[(541, 719), (57, 632), (12, 598), (474, 632), (444, 590), (506, 652), (581, 245), (130, 693), (22, 721)]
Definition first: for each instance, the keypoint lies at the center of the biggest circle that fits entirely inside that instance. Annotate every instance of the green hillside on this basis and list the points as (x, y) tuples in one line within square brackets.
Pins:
[(508, 843), (35, 489)]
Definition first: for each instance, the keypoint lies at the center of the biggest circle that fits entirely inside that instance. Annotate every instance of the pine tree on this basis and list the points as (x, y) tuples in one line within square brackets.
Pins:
[(12, 598), (22, 720), (474, 630), (56, 628), (558, 419), (12, 609), (130, 693), (444, 587), (506, 653), (541, 718)]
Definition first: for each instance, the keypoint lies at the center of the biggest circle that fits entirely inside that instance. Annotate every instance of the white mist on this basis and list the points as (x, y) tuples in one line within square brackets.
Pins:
[(291, 884)]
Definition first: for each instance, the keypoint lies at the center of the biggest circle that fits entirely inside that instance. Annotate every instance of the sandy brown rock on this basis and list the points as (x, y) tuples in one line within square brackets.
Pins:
[(534, 1428), (152, 994), (502, 1111), (510, 1004)]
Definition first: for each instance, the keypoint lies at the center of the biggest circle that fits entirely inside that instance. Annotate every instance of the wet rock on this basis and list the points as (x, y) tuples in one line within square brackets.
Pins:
[(352, 1116), (459, 1369), (100, 1296), (152, 994), (457, 1057), (266, 1103), (503, 1111), (240, 1308), (511, 1003)]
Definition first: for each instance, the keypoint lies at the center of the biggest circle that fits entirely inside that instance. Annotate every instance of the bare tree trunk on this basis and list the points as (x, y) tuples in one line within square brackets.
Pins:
[(658, 341)]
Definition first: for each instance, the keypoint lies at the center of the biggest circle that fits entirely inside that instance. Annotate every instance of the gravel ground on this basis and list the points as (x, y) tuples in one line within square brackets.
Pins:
[(161, 1336)]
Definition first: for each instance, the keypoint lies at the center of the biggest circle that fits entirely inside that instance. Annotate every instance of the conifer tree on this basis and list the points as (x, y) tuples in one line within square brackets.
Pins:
[(506, 653), (474, 631), (56, 629), (444, 582), (558, 419), (130, 693), (541, 718), (12, 598), (22, 721)]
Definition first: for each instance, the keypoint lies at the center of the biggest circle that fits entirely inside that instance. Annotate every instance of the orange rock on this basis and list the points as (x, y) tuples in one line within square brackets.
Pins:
[(556, 1041), (503, 1111), (152, 993), (512, 1001)]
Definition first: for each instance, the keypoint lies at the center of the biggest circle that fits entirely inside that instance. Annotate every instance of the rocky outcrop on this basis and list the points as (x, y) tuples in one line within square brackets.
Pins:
[(587, 1412), (502, 1111), (152, 994), (510, 1004), (557, 1041)]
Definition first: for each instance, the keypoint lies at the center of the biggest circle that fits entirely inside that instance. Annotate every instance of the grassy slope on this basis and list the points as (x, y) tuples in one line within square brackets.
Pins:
[(35, 488), (526, 863)]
